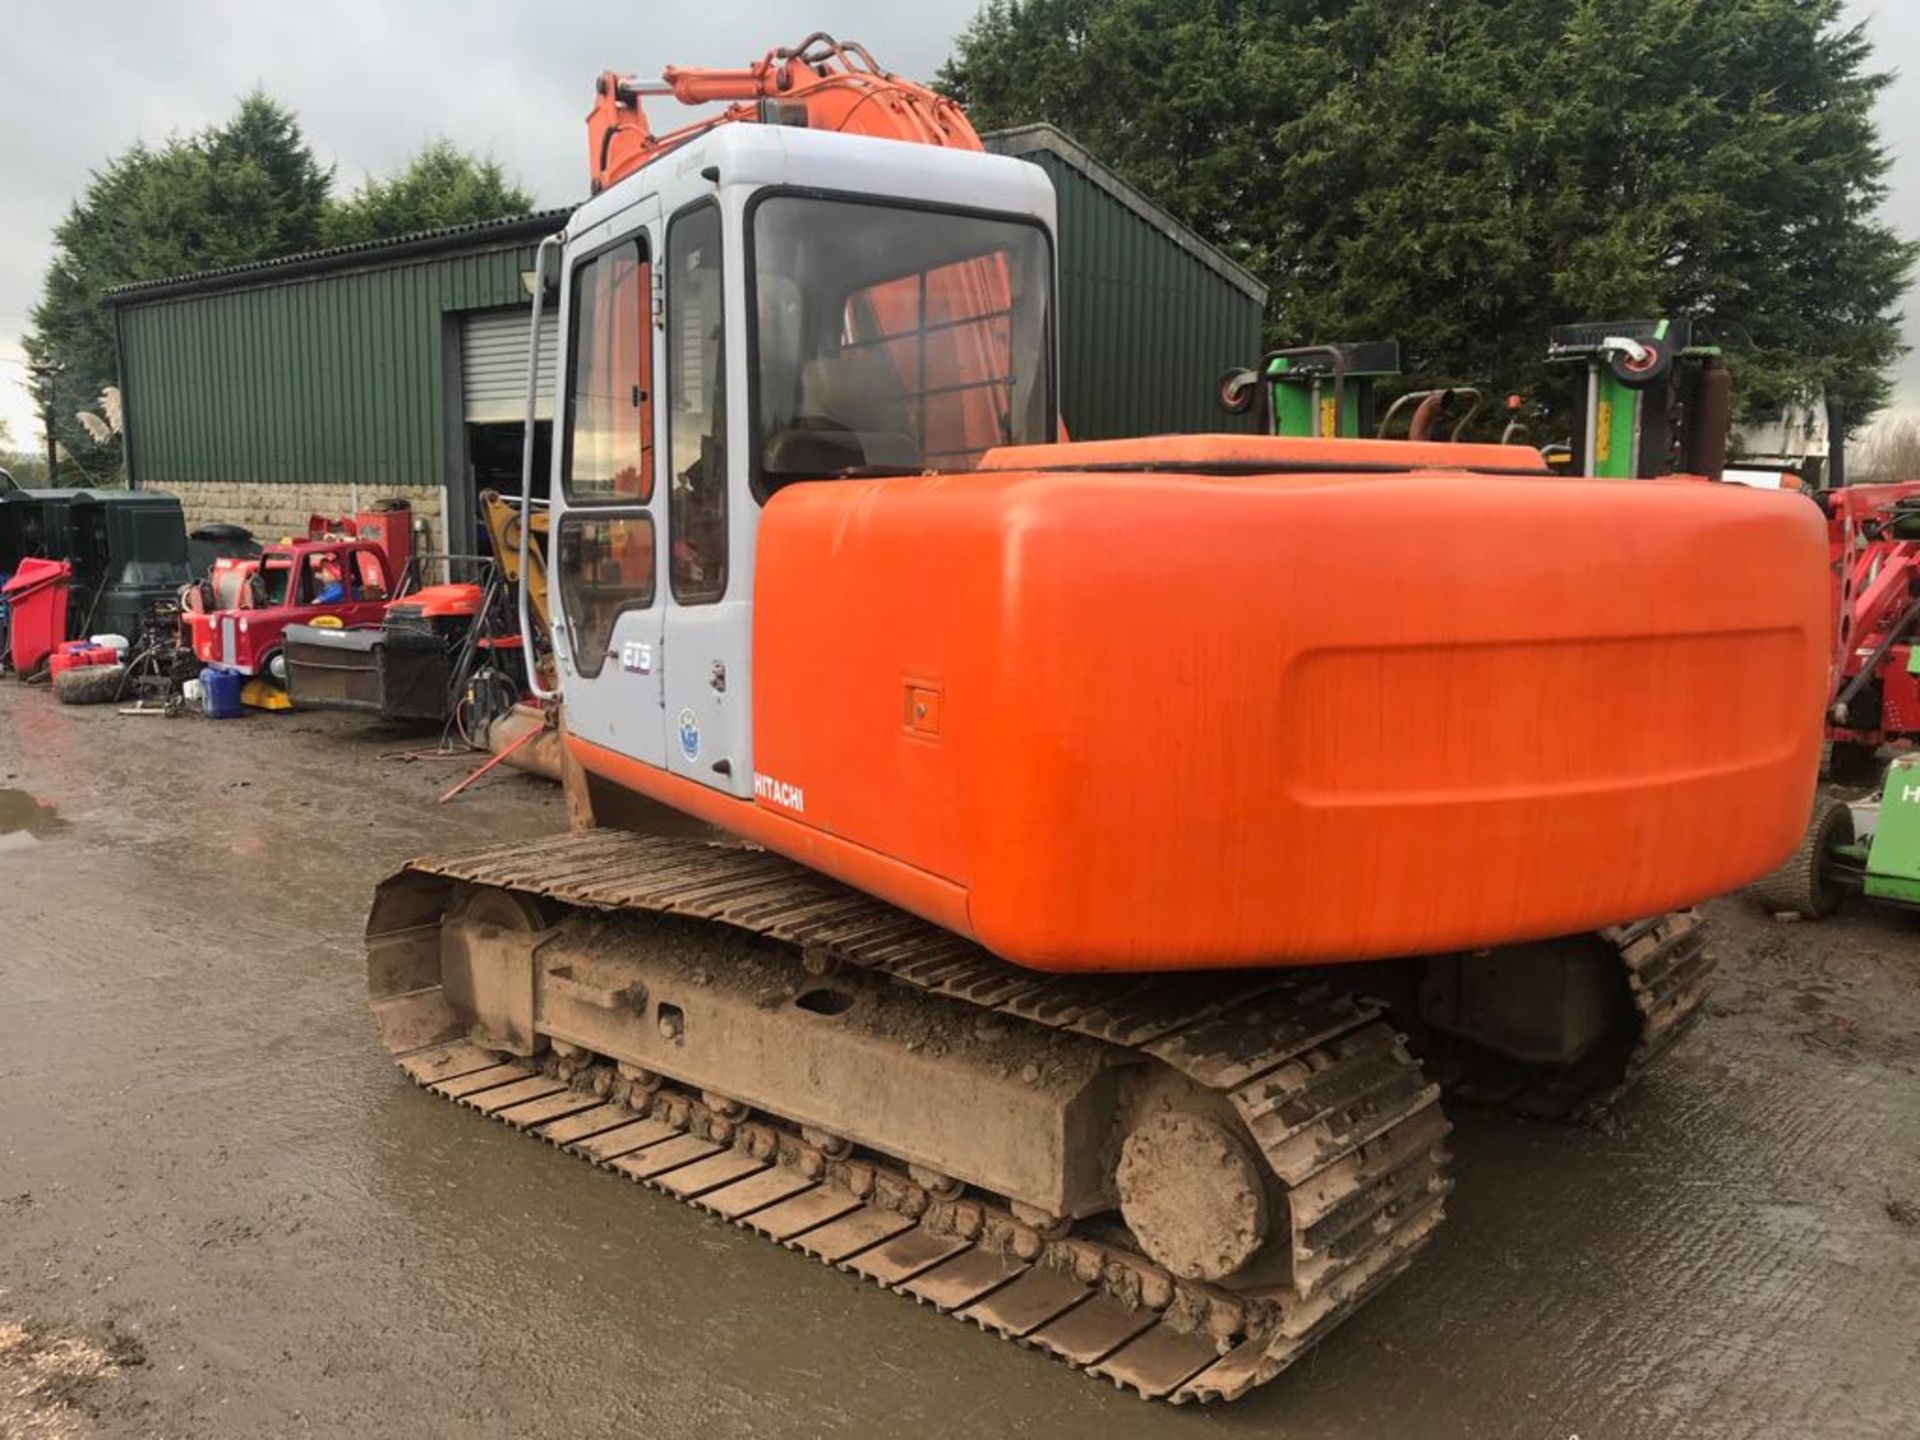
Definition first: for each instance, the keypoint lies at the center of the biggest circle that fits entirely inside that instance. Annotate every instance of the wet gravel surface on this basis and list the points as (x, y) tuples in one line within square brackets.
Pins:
[(222, 1212)]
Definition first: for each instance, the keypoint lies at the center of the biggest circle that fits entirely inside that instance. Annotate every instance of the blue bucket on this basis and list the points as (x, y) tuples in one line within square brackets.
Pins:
[(220, 693)]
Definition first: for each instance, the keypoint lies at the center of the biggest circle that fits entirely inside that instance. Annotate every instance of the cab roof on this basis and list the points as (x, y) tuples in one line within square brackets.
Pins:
[(753, 156)]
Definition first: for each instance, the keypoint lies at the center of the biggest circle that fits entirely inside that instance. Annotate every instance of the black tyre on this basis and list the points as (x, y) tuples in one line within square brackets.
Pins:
[(1235, 391), (1806, 885), (90, 684), (1639, 374)]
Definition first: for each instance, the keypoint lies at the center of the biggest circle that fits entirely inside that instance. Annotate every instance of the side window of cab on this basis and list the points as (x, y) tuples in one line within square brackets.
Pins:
[(604, 554), (696, 407), (609, 435)]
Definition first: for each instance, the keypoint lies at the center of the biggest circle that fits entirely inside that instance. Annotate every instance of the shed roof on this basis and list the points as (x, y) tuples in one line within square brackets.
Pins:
[(1022, 140), (447, 240)]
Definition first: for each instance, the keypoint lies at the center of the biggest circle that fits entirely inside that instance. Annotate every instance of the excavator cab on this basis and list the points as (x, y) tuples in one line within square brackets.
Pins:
[(782, 305)]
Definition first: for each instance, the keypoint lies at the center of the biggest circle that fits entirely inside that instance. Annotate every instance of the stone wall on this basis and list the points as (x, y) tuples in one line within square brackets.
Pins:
[(273, 511)]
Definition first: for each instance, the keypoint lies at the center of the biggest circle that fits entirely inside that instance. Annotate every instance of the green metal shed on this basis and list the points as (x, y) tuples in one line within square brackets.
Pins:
[(1150, 314), (265, 392)]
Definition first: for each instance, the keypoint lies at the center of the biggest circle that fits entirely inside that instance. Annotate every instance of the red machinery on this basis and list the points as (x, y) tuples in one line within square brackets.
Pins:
[(412, 666), (345, 571), (296, 583), (1874, 539)]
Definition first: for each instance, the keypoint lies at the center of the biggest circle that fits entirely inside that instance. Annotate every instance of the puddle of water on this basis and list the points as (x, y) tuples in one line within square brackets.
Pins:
[(24, 820)]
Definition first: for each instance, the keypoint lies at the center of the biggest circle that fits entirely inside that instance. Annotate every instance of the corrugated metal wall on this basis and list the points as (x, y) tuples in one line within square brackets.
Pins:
[(1146, 328), (328, 378)]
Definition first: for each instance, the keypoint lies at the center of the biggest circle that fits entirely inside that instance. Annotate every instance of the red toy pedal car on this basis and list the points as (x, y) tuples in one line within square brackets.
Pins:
[(294, 583)]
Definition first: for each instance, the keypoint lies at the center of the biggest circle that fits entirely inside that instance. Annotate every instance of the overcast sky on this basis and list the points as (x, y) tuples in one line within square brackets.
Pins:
[(372, 81)]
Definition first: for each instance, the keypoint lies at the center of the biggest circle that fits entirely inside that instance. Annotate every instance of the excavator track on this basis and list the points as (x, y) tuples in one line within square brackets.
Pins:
[(1349, 1128), (1667, 967)]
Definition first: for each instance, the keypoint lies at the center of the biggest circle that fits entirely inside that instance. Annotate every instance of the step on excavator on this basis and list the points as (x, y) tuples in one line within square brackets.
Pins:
[(1053, 880)]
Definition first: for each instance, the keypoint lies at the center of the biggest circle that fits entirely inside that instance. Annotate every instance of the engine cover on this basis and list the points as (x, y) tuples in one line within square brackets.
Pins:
[(1207, 702)]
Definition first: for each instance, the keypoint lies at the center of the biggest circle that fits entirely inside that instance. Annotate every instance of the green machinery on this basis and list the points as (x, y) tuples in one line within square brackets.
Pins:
[(1330, 392), (1313, 390), (1654, 403), (1869, 848)]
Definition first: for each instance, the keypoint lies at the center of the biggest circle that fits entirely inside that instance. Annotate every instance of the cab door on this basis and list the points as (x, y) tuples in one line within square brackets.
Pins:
[(604, 566), (708, 630)]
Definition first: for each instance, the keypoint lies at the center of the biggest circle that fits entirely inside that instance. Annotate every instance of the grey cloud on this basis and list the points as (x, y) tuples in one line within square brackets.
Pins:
[(372, 81)]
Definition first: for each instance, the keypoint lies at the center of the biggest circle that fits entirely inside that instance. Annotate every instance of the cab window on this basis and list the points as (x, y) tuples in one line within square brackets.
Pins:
[(322, 581), (606, 567), (891, 340), (609, 439), (696, 408), (274, 581), (946, 335)]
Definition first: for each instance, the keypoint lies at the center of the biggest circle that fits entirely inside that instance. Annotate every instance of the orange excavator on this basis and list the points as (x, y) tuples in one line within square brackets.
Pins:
[(1055, 880)]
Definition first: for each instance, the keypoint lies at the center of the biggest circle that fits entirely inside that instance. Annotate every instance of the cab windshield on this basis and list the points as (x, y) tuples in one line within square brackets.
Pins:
[(892, 340)]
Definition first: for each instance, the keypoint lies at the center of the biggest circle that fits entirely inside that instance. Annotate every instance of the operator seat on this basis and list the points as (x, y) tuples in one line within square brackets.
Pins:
[(852, 411)]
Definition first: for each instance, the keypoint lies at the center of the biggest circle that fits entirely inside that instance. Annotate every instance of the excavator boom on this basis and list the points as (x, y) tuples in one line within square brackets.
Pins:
[(819, 84)]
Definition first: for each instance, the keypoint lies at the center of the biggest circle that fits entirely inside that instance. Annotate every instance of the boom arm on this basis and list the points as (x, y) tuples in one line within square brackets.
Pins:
[(821, 84)]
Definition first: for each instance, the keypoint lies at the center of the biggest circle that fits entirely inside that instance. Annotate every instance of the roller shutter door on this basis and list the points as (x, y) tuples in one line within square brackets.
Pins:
[(493, 366)]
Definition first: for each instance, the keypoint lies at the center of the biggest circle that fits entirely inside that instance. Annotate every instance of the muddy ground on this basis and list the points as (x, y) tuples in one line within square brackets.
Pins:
[(222, 1212)]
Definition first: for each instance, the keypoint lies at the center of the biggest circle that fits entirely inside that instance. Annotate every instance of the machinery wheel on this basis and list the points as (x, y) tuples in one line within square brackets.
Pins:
[(1638, 375), (1236, 391), (1805, 885), (505, 909), (90, 684)]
